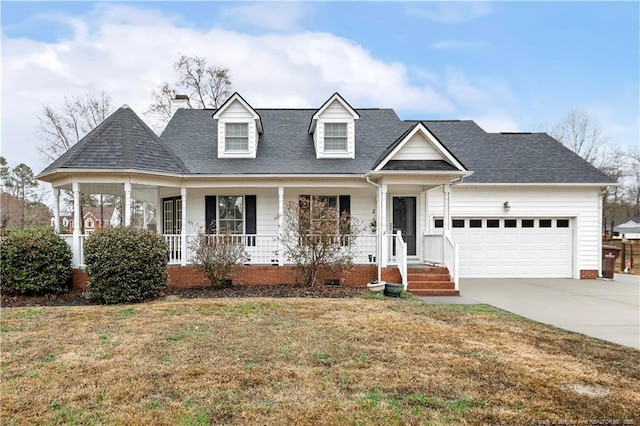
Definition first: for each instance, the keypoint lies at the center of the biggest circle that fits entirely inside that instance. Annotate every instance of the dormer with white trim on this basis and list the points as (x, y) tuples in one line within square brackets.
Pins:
[(239, 129), (334, 128)]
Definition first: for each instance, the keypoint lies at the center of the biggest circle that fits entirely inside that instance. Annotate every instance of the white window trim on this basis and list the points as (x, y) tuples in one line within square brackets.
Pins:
[(244, 213), (226, 147), (345, 137)]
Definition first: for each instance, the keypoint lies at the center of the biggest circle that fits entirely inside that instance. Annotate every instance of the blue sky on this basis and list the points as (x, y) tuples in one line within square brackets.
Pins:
[(511, 66)]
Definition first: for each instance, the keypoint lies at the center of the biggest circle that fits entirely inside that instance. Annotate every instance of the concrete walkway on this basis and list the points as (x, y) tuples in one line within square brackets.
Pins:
[(606, 309)]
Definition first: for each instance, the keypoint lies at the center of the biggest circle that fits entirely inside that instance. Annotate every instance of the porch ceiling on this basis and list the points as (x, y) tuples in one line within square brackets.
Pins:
[(139, 192)]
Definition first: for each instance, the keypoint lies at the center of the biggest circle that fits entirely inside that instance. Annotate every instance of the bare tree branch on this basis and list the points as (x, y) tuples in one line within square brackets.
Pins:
[(61, 129)]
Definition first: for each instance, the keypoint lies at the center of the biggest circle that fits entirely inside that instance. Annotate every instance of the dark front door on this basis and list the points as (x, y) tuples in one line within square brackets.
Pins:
[(404, 220)]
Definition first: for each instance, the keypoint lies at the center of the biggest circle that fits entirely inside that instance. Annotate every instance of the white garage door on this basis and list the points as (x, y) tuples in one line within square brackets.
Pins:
[(509, 248)]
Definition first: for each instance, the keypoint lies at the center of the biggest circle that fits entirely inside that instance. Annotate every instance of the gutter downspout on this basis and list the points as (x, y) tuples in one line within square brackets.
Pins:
[(379, 242)]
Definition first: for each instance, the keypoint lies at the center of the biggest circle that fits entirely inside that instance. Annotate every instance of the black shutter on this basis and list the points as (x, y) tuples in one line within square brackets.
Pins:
[(210, 202), (250, 224), (344, 203)]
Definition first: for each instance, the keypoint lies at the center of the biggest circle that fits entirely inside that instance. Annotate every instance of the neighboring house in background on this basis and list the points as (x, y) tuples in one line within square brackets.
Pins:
[(510, 204), (91, 219), (628, 228)]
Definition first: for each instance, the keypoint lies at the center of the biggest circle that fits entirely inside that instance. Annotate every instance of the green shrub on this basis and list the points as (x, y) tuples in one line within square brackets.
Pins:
[(125, 265), (34, 261)]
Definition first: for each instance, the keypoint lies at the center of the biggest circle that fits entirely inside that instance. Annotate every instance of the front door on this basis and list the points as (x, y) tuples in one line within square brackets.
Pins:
[(404, 220)]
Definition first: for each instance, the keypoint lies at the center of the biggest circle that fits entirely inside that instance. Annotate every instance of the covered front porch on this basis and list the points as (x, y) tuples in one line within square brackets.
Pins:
[(395, 223)]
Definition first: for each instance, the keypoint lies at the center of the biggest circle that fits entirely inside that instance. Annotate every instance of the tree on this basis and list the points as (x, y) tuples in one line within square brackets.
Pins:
[(317, 239), (579, 132), (61, 129), (206, 85), (633, 187), (21, 184)]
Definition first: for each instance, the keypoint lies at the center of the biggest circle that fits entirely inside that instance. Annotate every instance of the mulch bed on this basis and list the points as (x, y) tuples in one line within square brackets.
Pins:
[(77, 298)]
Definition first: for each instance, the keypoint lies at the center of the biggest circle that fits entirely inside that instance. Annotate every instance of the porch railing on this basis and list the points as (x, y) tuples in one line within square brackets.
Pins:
[(264, 249), (442, 250), (401, 258), (451, 258)]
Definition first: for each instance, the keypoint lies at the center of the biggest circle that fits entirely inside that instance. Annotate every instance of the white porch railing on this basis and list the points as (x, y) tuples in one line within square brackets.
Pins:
[(441, 250), (260, 249), (401, 258), (265, 249), (450, 253), (174, 244)]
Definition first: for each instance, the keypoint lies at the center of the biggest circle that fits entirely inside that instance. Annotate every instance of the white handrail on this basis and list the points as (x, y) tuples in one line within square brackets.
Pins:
[(401, 258), (451, 258)]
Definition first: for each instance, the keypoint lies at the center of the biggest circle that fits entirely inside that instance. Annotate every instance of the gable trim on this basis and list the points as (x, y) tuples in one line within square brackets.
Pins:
[(236, 97), (440, 148), (335, 97)]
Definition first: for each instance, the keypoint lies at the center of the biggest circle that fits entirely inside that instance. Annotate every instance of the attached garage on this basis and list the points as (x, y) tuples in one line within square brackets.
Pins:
[(514, 247)]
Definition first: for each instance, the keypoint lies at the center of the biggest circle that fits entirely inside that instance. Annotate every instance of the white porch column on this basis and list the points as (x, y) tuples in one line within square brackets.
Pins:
[(446, 217), (159, 214), (77, 225), (127, 203), (56, 210), (280, 225), (144, 215), (183, 230), (382, 227)]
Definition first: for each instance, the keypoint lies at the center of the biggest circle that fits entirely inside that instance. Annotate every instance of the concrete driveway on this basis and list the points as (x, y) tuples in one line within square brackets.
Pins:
[(606, 309)]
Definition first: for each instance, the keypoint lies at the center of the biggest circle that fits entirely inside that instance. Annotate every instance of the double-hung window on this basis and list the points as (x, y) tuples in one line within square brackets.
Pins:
[(335, 137), (230, 214), (236, 137)]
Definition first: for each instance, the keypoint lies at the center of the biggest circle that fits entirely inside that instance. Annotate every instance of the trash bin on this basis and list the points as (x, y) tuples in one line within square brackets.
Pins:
[(609, 256)]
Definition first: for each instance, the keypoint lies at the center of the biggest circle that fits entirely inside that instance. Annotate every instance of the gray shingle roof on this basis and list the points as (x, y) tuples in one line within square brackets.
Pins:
[(189, 146), (122, 141), (513, 157), (285, 147)]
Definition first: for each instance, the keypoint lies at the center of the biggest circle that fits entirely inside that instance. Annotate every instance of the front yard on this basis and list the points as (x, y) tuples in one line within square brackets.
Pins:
[(305, 361)]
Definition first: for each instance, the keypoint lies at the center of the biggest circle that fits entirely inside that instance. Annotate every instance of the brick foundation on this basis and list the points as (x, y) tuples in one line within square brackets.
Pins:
[(79, 280), (588, 274), (188, 276)]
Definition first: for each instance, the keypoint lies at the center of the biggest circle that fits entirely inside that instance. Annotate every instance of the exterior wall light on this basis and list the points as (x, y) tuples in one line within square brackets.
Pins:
[(506, 207)]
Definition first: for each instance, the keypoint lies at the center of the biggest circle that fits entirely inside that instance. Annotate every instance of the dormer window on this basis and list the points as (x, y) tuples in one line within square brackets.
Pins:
[(237, 137), (335, 137), (239, 129), (333, 127)]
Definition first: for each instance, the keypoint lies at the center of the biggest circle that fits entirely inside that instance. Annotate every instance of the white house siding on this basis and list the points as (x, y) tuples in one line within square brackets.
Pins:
[(579, 204), (237, 113), (417, 148), (363, 203)]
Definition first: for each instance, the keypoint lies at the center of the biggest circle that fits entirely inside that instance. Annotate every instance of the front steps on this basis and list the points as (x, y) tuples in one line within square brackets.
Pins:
[(430, 281)]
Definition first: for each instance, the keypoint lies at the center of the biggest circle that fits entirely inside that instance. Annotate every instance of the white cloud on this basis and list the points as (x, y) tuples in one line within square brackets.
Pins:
[(451, 12), (274, 16), (129, 51), (457, 44)]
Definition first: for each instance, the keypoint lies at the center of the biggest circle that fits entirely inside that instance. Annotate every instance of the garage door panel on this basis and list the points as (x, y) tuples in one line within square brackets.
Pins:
[(515, 252)]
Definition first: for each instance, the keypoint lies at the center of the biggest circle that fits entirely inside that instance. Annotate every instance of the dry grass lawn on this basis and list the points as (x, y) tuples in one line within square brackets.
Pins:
[(305, 361)]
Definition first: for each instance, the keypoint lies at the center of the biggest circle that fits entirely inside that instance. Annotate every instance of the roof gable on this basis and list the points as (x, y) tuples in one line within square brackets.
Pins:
[(335, 98), (418, 145), (236, 98)]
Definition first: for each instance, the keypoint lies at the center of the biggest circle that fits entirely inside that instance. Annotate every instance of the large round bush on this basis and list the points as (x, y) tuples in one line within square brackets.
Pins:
[(34, 261), (125, 265)]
